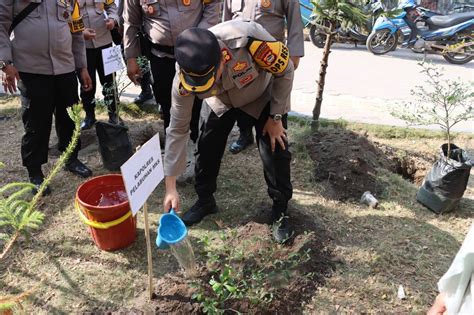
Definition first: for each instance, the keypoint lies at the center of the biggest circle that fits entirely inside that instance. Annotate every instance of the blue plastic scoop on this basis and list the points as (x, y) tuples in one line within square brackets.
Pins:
[(171, 230)]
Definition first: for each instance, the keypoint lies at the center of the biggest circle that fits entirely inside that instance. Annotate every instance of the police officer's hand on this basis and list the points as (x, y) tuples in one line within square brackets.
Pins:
[(89, 33), (276, 132), (133, 71), (110, 24), (295, 60), (85, 79), (9, 78), (171, 200)]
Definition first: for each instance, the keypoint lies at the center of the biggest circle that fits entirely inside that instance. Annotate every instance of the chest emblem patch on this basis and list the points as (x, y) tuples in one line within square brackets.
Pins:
[(239, 66)]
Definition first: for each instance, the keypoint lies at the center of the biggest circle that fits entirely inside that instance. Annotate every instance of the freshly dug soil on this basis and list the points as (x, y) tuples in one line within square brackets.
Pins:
[(347, 162), (173, 292)]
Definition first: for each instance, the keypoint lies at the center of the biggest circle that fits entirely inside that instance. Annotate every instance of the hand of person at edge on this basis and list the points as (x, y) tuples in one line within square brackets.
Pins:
[(110, 24), (171, 200), (9, 78), (133, 71), (88, 33), (85, 79), (276, 132), (439, 306), (296, 61)]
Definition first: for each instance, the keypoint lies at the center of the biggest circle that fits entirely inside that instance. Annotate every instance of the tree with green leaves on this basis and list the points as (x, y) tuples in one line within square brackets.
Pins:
[(440, 101), (18, 214), (331, 14)]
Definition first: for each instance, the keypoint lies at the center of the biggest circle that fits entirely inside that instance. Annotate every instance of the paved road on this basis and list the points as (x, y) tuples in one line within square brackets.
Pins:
[(359, 85)]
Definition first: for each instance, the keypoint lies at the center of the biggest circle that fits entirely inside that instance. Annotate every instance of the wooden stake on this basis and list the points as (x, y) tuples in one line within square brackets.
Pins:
[(148, 252)]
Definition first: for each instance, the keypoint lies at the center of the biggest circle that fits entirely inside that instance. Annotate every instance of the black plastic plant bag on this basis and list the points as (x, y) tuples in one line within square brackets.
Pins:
[(444, 185), (114, 145)]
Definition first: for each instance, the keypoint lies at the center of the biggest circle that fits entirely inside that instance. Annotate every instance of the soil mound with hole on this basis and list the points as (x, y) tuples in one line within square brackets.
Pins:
[(348, 162)]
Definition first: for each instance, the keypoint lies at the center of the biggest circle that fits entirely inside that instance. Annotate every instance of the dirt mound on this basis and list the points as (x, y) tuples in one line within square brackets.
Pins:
[(348, 163), (285, 276)]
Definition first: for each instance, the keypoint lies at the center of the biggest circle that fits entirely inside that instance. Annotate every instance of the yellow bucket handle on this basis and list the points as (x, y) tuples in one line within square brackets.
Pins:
[(101, 225)]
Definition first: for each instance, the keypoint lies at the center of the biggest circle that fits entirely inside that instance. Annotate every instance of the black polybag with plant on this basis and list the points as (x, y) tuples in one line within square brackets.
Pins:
[(444, 103), (444, 185)]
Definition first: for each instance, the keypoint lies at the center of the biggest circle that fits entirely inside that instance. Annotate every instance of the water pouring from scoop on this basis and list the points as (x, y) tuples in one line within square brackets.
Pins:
[(172, 234)]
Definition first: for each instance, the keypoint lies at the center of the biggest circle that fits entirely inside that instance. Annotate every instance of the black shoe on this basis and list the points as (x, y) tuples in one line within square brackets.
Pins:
[(198, 211), (143, 97), (245, 139), (38, 181), (77, 167), (88, 122), (281, 230)]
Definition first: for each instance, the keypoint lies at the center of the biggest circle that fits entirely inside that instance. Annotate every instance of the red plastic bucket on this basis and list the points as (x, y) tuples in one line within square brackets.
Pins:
[(102, 204)]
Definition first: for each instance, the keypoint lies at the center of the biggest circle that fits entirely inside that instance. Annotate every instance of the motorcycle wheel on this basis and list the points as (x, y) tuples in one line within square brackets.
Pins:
[(318, 39), (381, 42), (460, 59)]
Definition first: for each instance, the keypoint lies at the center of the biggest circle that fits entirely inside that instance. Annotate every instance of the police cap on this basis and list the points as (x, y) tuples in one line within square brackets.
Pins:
[(198, 54)]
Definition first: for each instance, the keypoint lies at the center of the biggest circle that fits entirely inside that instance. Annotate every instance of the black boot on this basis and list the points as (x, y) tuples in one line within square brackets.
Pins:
[(281, 230), (198, 211), (77, 167), (36, 177), (146, 93), (245, 139), (89, 121)]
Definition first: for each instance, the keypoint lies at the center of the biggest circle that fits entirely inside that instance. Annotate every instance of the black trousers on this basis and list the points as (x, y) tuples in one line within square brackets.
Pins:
[(245, 122), (211, 147), (163, 70), (95, 64), (41, 97)]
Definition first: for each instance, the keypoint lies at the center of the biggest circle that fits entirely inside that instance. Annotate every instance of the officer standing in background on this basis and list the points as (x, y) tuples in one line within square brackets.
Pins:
[(98, 37), (237, 67), (162, 22), (274, 16), (43, 56)]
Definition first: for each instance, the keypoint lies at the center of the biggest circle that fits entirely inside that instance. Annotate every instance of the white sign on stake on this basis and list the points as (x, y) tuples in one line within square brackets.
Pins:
[(142, 173), (113, 60)]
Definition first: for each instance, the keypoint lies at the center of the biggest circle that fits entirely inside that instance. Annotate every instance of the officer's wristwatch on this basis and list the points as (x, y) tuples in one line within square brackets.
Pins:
[(3, 64), (276, 117)]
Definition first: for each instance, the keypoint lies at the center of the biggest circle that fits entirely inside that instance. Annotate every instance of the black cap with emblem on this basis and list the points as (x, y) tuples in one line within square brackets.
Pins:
[(198, 54)]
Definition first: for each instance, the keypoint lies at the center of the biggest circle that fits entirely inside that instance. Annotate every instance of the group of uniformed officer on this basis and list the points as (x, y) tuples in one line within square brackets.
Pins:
[(237, 66)]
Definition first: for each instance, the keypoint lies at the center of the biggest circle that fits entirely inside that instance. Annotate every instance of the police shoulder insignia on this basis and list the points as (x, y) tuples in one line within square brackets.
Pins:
[(109, 2), (226, 55), (270, 56), (207, 1), (186, 3), (182, 91)]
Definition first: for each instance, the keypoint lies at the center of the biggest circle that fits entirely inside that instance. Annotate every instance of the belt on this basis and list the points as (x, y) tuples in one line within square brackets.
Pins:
[(165, 49)]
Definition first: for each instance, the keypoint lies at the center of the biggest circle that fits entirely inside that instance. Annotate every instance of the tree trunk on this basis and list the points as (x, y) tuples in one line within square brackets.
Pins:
[(322, 77)]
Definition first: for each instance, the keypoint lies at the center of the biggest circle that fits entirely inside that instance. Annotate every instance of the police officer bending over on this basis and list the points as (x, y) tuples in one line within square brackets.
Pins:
[(237, 66), (43, 57)]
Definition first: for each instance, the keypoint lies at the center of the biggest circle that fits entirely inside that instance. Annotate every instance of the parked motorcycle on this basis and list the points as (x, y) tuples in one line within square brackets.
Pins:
[(451, 36), (354, 34)]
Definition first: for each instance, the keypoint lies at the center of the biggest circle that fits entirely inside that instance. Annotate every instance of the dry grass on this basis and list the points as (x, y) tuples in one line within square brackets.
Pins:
[(401, 243)]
